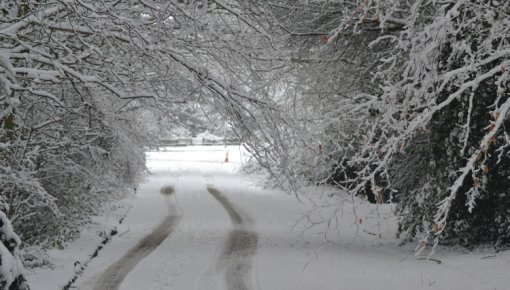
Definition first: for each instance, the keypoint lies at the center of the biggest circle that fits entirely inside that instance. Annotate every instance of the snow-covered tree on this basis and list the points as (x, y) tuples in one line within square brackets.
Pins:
[(62, 140)]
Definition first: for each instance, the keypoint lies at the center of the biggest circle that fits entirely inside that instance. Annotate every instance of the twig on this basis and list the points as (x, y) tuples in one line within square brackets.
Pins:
[(489, 257), (120, 235), (429, 259)]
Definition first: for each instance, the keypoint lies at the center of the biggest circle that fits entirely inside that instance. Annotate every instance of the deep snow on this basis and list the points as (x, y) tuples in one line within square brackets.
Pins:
[(362, 254)]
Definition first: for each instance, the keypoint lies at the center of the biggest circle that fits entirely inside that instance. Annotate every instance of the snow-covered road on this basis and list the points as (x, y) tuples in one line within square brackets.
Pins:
[(198, 224), (211, 241)]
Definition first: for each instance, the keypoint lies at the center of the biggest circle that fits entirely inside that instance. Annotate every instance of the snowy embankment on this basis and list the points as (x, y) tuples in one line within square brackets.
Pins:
[(226, 223)]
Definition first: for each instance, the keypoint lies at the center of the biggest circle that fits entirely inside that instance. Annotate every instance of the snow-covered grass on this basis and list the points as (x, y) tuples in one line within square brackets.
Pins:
[(362, 253)]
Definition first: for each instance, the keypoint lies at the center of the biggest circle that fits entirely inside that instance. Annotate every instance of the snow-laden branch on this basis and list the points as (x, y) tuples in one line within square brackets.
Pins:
[(13, 29)]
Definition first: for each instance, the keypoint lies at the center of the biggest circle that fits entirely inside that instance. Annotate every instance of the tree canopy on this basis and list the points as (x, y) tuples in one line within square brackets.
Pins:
[(399, 101)]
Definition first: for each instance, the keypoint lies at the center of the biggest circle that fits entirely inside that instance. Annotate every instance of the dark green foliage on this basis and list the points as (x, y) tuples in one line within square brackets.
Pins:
[(423, 172)]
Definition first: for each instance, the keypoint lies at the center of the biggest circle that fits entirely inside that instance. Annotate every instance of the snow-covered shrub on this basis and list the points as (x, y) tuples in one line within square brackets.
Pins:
[(436, 154), (443, 96), (11, 266)]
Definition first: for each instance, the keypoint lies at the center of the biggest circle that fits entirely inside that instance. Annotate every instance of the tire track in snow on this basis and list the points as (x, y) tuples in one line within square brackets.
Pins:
[(115, 274), (240, 246)]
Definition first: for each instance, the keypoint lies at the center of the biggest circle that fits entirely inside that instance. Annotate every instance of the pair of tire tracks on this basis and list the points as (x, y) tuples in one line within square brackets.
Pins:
[(235, 260)]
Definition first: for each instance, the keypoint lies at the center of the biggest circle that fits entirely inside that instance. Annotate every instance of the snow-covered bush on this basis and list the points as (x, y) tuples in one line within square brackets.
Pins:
[(480, 213), (440, 132), (11, 266)]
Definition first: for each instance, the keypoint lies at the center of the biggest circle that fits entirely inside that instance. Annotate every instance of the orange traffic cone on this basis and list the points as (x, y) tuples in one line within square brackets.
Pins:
[(226, 157)]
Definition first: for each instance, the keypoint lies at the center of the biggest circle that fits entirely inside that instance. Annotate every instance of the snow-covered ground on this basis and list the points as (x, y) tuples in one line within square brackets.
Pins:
[(210, 240)]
